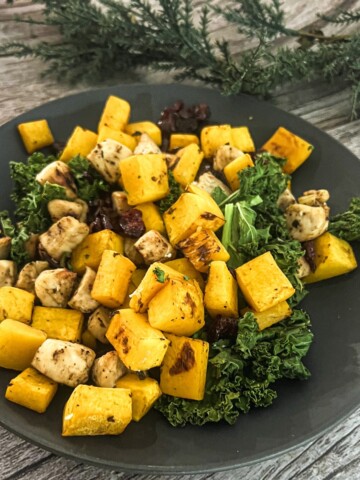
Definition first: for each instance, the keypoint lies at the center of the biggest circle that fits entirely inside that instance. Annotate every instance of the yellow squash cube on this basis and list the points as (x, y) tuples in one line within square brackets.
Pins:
[(144, 393), (60, 323), (242, 139), (184, 266), (287, 145), (32, 390), (18, 344), (270, 316), (35, 135), (117, 135), (213, 137), (16, 304), (112, 279), (151, 217), (97, 411), (178, 308), (88, 253), (116, 114), (183, 372), (81, 142), (188, 213), (203, 247), (188, 163), (231, 171), (137, 128), (138, 344), (156, 277), (221, 295), (262, 282), (181, 140), (144, 177), (333, 257)]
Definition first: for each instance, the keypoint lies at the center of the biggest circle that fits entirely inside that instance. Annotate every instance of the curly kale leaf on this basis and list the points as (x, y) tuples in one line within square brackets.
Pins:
[(90, 184), (240, 375), (346, 225), (172, 196)]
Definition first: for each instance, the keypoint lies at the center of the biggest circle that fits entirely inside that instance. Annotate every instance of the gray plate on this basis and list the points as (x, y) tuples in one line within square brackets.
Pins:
[(303, 410)]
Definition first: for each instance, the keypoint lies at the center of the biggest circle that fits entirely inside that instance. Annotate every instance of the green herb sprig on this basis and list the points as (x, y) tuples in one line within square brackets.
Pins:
[(97, 41)]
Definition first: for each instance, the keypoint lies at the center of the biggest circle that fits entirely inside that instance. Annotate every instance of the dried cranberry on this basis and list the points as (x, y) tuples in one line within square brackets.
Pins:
[(132, 224), (309, 247), (222, 327)]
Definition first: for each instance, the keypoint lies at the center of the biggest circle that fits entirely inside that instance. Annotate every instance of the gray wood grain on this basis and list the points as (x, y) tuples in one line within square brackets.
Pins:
[(334, 455)]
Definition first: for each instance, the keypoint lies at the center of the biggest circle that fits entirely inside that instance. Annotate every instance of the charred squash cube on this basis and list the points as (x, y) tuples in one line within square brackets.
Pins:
[(116, 114), (213, 137), (81, 142), (35, 135), (16, 304), (184, 266), (262, 282), (270, 316), (232, 170), (242, 139), (138, 344), (181, 140), (60, 323), (106, 132), (188, 163), (221, 296), (183, 372), (150, 128)]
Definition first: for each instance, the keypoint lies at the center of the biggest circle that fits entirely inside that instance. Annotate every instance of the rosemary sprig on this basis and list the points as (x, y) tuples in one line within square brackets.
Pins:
[(100, 40)]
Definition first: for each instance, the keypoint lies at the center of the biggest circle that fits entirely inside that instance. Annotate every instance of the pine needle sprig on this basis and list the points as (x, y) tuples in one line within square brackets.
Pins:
[(98, 41)]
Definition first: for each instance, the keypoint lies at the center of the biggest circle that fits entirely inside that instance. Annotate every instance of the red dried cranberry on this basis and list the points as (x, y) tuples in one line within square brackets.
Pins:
[(132, 224)]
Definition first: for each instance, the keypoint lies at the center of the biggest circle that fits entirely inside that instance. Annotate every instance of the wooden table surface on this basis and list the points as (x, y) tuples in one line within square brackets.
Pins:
[(336, 454)]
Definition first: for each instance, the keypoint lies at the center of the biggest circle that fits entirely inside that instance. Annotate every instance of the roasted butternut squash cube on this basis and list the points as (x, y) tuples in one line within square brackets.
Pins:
[(221, 296), (81, 142), (89, 252), (112, 279), (151, 217), (138, 344), (155, 278), (203, 247), (286, 144), (16, 304), (190, 212), (32, 390), (333, 257), (242, 139), (117, 135), (60, 323), (35, 135), (270, 316), (18, 344), (184, 266), (232, 170), (262, 282), (97, 411), (137, 128), (188, 161), (144, 393), (144, 177), (213, 137), (183, 372), (181, 140), (178, 308), (116, 113)]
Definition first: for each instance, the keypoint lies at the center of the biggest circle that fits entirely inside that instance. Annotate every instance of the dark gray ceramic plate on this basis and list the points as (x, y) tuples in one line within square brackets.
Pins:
[(303, 410)]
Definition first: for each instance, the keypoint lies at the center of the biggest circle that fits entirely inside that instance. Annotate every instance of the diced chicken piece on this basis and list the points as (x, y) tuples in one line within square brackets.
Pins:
[(98, 324), (31, 245), (64, 362), (208, 182), (305, 222), (224, 155), (146, 145), (8, 273), (304, 268), (153, 247), (106, 156), (82, 299), (5, 246), (285, 200), (29, 273), (314, 198), (63, 208), (59, 173), (131, 252), (107, 370), (54, 287), (120, 202), (63, 236)]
